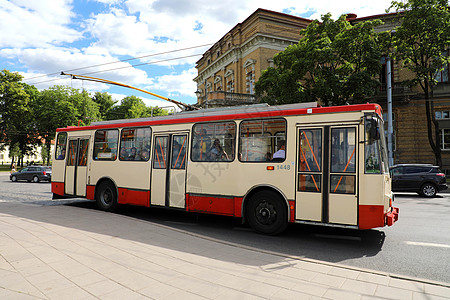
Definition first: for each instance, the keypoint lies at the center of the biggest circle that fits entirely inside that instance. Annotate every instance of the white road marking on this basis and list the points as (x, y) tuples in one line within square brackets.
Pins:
[(427, 244)]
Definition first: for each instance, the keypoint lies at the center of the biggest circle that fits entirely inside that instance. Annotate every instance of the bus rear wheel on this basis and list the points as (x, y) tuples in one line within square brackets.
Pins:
[(107, 196), (266, 213)]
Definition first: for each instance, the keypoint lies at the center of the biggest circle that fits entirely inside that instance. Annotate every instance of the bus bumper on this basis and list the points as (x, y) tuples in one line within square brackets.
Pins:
[(392, 216)]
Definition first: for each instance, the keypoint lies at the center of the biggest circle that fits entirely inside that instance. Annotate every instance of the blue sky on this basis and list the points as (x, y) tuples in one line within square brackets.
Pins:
[(41, 38)]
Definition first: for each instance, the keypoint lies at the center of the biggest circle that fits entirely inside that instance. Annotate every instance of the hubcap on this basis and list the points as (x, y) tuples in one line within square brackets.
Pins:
[(107, 197), (429, 190), (266, 213)]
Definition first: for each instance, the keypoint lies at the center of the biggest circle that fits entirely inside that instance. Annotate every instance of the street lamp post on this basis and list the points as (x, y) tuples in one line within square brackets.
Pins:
[(389, 105)]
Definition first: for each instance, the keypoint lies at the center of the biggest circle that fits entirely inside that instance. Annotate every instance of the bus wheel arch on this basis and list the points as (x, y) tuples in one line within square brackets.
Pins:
[(266, 210), (106, 195)]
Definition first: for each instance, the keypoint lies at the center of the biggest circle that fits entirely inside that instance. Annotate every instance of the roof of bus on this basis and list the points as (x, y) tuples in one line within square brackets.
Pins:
[(229, 113)]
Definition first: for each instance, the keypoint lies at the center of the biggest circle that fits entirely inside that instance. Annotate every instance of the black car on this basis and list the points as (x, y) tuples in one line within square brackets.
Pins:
[(33, 173), (426, 180)]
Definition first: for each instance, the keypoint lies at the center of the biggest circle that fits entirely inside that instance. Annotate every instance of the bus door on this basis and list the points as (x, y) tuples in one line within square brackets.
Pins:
[(327, 174), (168, 183), (76, 167)]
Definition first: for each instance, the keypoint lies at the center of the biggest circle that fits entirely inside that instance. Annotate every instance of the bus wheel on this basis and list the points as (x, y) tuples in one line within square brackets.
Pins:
[(266, 213), (107, 196)]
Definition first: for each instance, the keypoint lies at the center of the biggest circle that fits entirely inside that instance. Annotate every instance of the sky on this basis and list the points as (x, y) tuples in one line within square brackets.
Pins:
[(149, 44)]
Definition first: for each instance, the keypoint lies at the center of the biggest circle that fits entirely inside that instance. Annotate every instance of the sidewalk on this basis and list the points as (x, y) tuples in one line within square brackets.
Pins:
[(65, 252)]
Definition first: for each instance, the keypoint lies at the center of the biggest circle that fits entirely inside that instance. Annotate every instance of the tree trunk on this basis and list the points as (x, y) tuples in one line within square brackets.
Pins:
[(433, 143)]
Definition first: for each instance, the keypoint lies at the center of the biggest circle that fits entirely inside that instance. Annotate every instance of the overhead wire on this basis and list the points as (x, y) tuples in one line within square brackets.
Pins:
[(120, 61)]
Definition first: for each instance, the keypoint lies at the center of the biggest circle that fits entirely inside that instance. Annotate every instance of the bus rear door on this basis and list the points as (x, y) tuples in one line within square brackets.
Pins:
[(76, 167), (327, 174), (168, 183)]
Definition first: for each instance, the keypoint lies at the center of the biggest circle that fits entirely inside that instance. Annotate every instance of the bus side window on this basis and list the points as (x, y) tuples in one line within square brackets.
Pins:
[(213, 141), (262, 140), (105, 144), (61, 142), (135, 144)]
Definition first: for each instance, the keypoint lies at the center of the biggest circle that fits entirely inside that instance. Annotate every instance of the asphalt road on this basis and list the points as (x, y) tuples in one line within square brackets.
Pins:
[(418, 245)]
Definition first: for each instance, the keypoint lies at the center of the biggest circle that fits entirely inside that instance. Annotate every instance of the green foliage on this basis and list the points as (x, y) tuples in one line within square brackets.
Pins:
[(421, 38), (133, 107), (334, 62), (104, 102), (419, 42)]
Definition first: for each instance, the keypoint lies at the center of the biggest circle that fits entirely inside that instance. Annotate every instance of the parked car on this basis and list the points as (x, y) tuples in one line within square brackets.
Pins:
[(33, 173), (425, 179)]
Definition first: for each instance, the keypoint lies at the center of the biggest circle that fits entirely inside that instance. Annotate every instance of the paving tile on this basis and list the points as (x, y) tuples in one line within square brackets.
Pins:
[(183, 295), (345, 273), (407, 284), (328, 280), (422, 296), (99, 289), (285, 294), (73, 292), (263, 290), (339, 294), (362, 287), (121, 294), (437, 290), (158, 290), (373, 278), (310, 289), (392, 293)]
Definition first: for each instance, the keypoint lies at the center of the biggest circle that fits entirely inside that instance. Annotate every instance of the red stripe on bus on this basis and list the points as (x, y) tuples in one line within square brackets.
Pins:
[(58, 188), (135, 197), (265, 114), (90, 192), (371, 216), (215, 205)]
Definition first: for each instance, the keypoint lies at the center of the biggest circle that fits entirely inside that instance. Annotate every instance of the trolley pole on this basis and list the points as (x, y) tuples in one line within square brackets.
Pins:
[(389, 111)]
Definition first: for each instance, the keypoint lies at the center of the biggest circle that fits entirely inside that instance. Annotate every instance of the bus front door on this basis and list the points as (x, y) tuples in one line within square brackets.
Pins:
[(76, 167), (327, 174), (168, 183)]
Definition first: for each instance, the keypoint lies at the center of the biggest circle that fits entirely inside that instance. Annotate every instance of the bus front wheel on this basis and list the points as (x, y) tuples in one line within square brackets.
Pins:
[(107, 196), (266, 213)]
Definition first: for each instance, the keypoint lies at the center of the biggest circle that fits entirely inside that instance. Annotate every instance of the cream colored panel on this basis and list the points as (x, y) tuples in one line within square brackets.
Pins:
[(309, 206), (343, 209), (81, 181), (70, 180), (158, 187)]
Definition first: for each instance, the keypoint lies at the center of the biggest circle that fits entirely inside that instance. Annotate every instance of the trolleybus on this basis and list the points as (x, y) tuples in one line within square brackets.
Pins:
[(269, 165)]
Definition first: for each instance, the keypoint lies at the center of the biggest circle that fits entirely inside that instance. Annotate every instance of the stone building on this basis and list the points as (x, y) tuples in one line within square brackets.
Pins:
[(228, 71)]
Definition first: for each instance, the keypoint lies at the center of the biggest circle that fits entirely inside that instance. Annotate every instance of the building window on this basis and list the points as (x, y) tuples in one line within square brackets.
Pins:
[(250, 82), (218, 83), (444, 139), (230, 86), (442, 114), (383, 74), (442, 75)]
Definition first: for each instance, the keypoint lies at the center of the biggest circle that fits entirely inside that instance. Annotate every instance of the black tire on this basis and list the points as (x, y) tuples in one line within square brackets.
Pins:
[(428, 190), (35, 179), (267, 213), (107, 196), (14, 178)]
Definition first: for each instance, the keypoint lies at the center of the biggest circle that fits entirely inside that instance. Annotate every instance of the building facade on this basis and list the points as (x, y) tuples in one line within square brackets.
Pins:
[(228, 71)]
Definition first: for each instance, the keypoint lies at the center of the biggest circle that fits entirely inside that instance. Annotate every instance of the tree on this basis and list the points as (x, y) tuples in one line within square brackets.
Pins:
[(61, 106), (105, 103), (16, 117), (133, 107), (334, 62), (419, 42)]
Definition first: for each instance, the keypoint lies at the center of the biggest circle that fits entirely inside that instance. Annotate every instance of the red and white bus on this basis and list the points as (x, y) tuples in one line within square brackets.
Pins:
[(270, 165)]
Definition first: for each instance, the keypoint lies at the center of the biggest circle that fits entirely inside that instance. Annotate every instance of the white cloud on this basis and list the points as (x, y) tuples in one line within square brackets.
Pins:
[(36, 23)]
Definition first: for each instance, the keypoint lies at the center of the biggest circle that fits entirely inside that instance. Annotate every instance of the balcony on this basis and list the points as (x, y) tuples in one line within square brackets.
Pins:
[(220, 99)]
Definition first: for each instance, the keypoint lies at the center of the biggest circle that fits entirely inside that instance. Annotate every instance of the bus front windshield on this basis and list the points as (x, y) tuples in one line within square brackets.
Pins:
[(375, 154)]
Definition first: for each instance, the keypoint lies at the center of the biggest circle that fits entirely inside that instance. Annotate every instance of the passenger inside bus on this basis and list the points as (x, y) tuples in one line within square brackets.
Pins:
[(132, 155), (217, 153), (281, 153)]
